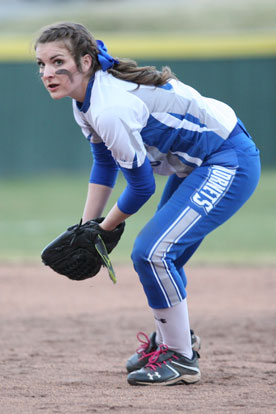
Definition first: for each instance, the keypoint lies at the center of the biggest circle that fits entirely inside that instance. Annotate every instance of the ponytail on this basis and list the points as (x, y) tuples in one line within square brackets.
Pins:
[(128, 70)]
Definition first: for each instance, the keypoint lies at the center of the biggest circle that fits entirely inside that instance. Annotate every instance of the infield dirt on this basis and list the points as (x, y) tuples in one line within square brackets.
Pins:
[(64, 344)]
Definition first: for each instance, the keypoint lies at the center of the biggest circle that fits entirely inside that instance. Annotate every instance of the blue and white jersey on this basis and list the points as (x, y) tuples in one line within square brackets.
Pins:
[(174, 126)]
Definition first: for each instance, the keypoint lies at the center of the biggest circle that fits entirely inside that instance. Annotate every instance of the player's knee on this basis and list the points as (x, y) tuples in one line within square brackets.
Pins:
[(139, 254), (142, 257)]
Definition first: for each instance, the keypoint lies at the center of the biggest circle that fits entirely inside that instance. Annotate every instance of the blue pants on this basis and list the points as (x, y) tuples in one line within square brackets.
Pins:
[(189, 209)]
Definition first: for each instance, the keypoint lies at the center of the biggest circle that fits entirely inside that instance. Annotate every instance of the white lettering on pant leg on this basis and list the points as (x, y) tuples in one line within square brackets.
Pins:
[(222, 182), (202, 202), (212, 183), (212, 190), (214, 187)]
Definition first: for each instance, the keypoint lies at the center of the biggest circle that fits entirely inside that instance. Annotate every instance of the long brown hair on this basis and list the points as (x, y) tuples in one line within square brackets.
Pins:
[(79, 41)]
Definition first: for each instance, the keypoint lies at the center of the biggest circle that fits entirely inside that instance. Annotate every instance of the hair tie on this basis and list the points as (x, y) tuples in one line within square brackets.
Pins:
[(106, 60)]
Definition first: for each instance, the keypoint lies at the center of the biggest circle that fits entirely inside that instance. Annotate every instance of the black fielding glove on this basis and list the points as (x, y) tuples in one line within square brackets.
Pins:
[(81, 251)]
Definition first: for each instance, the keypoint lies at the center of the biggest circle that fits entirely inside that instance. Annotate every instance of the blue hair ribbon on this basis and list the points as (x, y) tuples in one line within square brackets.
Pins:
[(105, 59)]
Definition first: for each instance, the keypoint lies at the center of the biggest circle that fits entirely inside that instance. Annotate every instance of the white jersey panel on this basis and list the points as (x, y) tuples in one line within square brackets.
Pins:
[(117, 117), (182, 99), (173, 125), (81, 121)]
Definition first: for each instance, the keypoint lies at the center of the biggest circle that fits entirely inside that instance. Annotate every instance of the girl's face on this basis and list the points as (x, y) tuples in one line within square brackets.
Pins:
[(59, 72)]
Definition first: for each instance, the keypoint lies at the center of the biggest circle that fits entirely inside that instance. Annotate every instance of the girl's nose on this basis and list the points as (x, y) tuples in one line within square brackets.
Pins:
[(48, 72)]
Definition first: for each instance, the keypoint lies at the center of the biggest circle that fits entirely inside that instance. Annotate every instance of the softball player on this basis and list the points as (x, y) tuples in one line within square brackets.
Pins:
[(142, 121)]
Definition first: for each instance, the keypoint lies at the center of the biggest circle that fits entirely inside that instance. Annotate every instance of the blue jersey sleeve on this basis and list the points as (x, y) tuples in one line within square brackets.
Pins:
[(140, 187), (104, 169)]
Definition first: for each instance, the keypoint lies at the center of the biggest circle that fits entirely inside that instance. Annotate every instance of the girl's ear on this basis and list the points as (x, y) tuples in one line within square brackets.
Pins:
[(86, 63)]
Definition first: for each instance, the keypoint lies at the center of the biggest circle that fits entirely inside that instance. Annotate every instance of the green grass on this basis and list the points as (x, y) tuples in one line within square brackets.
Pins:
[(37, 209)]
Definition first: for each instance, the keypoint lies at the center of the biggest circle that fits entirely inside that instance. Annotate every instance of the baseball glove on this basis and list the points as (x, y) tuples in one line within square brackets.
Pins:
[(81, 251)]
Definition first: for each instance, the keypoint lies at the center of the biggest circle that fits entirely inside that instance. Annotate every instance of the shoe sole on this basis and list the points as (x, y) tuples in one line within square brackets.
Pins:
[(186, 379)]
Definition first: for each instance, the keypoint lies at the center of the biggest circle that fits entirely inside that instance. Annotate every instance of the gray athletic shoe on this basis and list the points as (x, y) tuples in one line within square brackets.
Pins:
[(148, 346), (166, 367), (142, 354)]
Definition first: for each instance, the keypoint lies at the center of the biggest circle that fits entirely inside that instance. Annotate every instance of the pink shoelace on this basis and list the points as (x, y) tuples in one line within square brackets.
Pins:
[(145, 343), (153, 360)]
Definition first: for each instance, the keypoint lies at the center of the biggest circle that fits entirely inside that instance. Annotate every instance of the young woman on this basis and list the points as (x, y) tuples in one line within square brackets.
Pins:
[(142, 121)]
